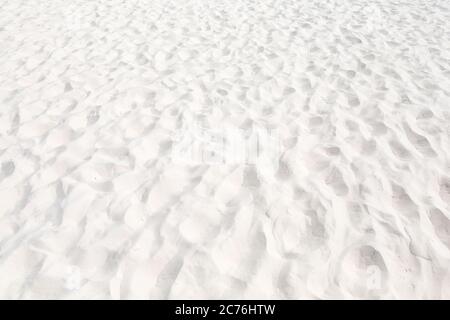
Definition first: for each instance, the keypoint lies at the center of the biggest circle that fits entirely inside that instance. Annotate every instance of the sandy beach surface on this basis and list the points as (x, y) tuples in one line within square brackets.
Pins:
[(252, 149)]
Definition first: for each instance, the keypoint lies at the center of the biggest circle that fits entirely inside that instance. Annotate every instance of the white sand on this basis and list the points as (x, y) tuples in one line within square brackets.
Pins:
[(95, 96)]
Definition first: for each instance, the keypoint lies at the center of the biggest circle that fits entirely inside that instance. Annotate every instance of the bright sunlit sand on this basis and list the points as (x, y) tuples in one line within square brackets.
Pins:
[(206, 149)]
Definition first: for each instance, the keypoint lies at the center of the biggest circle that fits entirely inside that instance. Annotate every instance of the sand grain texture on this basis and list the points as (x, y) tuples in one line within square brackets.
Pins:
[(95, 94)]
